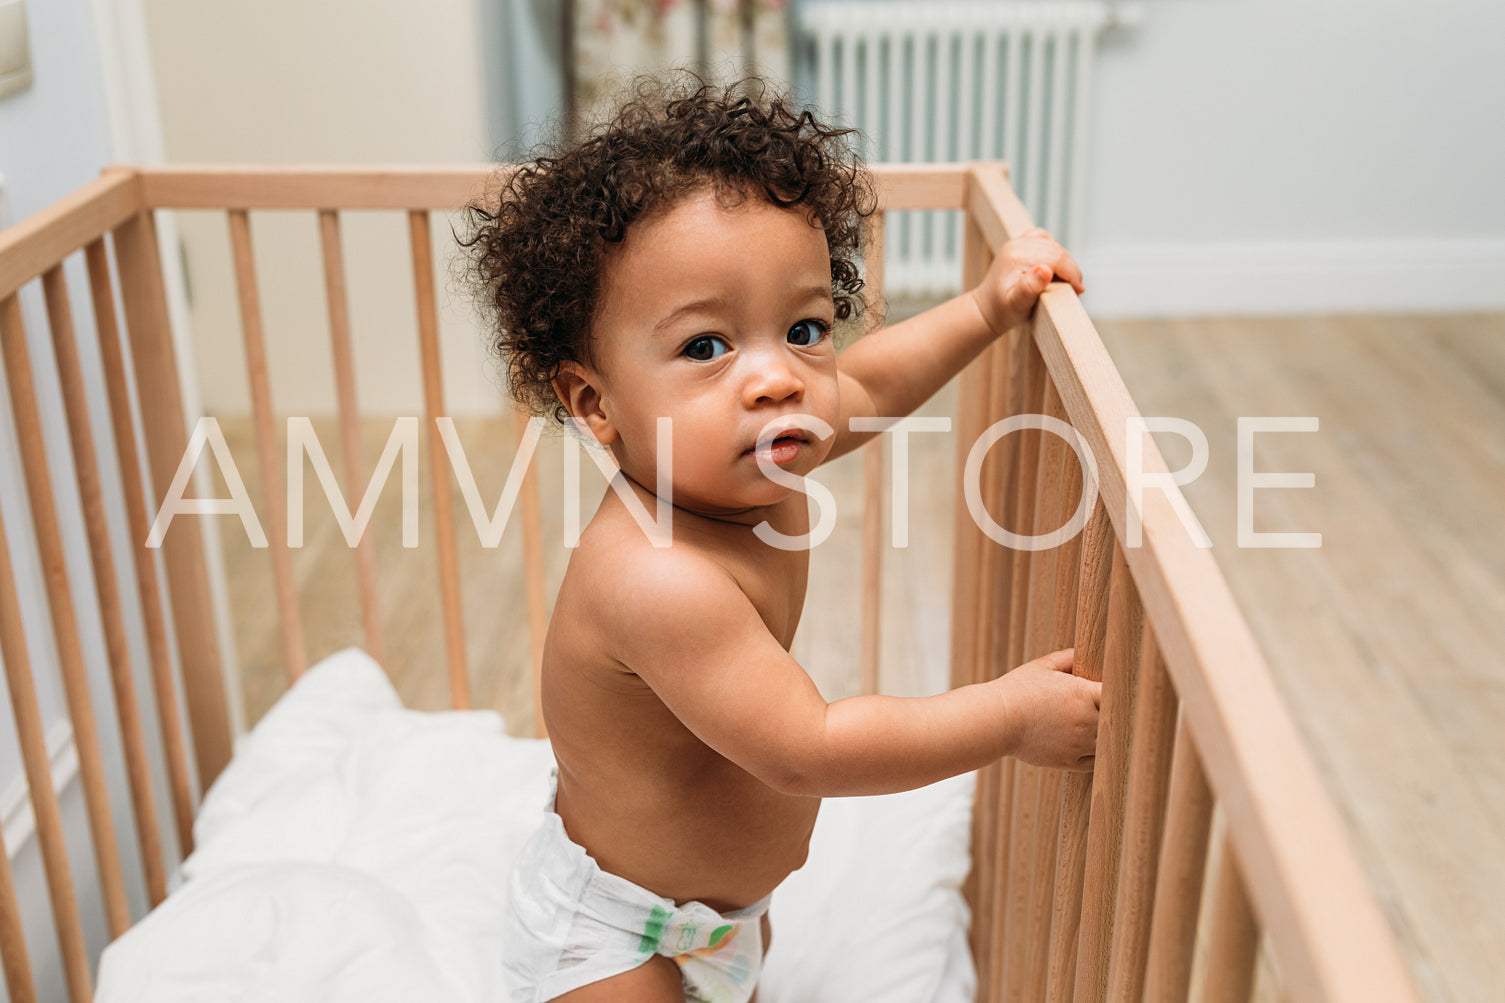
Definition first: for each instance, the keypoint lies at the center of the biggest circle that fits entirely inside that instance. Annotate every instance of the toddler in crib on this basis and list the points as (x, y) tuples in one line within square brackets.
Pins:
[(688, 261)]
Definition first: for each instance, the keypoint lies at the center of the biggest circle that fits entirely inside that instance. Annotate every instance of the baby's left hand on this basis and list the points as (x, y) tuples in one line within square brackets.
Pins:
[(1019, 274)]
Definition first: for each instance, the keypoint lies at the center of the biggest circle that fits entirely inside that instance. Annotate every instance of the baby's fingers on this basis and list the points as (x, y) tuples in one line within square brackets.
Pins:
[(1062, 661)]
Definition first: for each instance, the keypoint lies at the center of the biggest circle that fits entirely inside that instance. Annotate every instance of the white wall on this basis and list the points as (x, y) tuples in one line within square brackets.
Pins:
[(54, 138), (1267, 156), (337, 81)]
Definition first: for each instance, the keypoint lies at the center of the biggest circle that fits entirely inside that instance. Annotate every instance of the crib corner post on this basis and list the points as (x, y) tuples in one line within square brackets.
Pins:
[(164, 430)]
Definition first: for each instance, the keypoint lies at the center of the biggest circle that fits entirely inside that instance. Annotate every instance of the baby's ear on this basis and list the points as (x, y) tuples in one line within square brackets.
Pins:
[(578, 390)]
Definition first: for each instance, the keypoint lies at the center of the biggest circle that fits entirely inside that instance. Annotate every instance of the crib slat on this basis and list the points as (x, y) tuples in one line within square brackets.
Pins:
[(872, 471), (966, 553), (106, 584), (993, 364), (433, 402), (159, 396), (1094, 568), (970, 616), (1009, 393), (266, 442), (1061, 633), (1106, 821), (1022, 833), (49, 536), (1026, 789), (967, 537), (1178, 881), (1051, 622), (49, 821), (538, 616), (350, 418), (1144, 821), (978, 597), (1024, 379), (23, 701), (994, 779), (169, 723), (19, 985), (1234, 941)]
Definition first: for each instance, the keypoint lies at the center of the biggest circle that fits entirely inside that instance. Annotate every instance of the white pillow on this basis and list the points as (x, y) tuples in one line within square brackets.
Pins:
[(872, 915), (342, 803)]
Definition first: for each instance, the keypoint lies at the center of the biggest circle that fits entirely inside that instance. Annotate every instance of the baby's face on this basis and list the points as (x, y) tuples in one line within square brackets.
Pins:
[(718, 318)]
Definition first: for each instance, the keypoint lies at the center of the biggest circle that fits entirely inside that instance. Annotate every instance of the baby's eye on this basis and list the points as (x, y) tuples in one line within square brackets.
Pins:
[(705, 348), (807, 333)]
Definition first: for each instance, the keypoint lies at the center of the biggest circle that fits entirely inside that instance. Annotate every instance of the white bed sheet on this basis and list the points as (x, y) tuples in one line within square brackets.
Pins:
[(356, 850)]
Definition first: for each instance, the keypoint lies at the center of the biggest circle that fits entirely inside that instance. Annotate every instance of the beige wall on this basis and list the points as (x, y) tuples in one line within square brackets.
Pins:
[(323, 81)]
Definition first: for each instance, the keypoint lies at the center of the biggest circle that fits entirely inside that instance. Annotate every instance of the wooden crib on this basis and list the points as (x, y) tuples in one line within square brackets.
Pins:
[(1083, 887)]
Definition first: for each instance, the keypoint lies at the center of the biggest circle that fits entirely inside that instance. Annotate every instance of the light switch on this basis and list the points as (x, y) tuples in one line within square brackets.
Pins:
[(15, 54)]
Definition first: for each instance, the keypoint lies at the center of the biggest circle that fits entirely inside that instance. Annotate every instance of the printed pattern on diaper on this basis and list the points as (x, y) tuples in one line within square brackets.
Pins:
[(712, 960)]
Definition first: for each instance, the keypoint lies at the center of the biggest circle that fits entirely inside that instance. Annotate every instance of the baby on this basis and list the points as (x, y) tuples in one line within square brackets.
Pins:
[(689, 261)]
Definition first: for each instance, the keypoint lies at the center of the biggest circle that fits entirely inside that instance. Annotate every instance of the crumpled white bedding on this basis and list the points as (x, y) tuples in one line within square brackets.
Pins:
[(355, 850)]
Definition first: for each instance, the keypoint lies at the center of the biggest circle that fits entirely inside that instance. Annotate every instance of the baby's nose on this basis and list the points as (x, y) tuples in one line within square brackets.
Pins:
[(772, 381)]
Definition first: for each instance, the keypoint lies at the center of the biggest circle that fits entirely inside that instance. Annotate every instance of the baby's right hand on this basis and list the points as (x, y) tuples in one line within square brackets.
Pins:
[(1052, 713)]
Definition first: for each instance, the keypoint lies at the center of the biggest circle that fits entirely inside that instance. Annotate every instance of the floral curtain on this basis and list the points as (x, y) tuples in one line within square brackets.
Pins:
[(615, 40)]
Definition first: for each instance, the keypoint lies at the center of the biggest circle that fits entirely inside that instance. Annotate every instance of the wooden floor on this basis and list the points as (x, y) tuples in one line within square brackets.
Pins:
[(1386, 640)]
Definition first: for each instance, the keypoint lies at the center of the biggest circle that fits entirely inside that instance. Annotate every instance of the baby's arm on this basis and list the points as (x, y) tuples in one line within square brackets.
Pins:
[(891, 372), (686, 627)]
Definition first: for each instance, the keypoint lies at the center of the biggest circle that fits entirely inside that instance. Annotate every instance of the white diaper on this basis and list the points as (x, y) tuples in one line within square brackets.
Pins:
[(570, 924)]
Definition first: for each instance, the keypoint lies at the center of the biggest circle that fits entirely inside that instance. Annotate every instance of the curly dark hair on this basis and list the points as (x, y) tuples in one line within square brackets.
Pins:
[(538, 239)]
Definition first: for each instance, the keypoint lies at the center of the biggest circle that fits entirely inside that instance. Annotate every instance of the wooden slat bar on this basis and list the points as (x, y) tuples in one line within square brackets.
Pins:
[(965, 551), (1096, 565), (996, 573), (154, 362), (1144, 821), (988, 599), (1026, 784), (1048, 625), (538, 616), (433, 402), (264, 422), (143, 562), (1062, 633), (872, 488), (33, 741), (35, 244), (350, 419), (1178, 880), (1010, 392), (970, 611), (1326, 930), (313, 186), (20, 987), (106, 584), (23, 402), (1110, 781), (1234, 941)]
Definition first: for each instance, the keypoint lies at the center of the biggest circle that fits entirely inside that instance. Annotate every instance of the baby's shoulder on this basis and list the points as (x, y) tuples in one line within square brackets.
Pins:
[(631, 582)]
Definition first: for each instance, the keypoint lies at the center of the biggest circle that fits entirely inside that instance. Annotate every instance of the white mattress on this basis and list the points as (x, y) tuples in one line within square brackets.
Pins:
[(356, 850)]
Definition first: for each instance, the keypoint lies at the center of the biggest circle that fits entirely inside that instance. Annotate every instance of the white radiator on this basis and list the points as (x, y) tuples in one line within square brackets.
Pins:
[(931, 81)]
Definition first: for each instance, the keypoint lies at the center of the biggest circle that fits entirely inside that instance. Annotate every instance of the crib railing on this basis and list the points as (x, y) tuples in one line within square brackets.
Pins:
[(1084, 887)]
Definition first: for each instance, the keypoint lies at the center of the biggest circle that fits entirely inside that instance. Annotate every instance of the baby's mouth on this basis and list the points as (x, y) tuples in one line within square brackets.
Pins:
[(781, 448)]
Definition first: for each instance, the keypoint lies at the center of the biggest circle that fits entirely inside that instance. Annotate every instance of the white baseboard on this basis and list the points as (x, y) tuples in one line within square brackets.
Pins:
[(1299, 277), (16, 814)]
